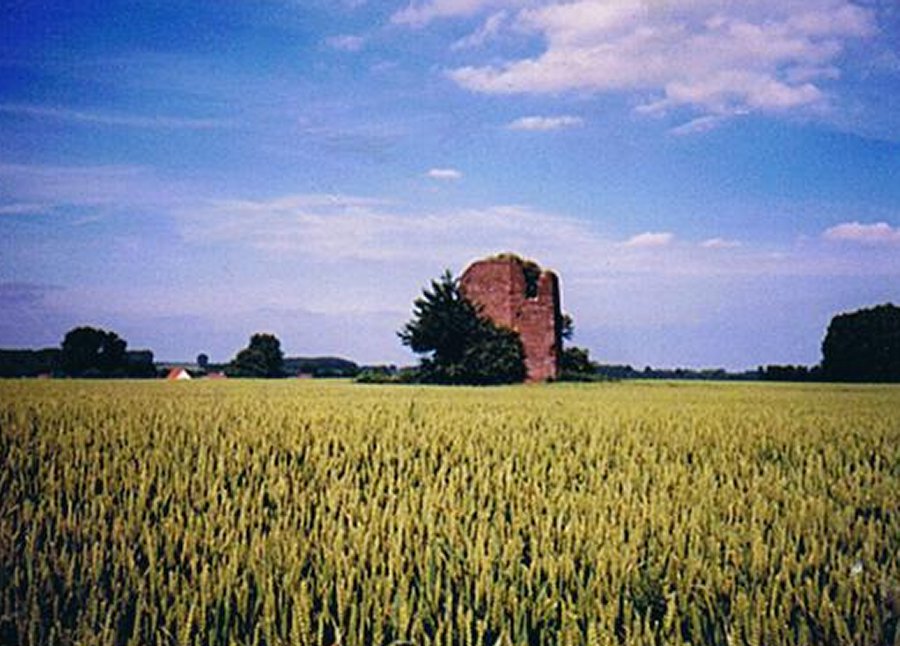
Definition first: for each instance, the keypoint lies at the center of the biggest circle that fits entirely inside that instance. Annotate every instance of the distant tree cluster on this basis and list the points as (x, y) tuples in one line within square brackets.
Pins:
[(85, 352), (460, 345), (321, 367), (619, 371), (262, 358), (789, 373), (29, 363), (863, 346), (93, 352)]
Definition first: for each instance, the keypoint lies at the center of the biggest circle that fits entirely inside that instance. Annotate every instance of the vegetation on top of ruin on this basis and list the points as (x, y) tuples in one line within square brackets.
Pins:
[(509, 255), (530, 269)]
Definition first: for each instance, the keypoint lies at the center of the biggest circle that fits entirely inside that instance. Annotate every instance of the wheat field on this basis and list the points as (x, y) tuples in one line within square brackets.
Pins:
[(307, 512)]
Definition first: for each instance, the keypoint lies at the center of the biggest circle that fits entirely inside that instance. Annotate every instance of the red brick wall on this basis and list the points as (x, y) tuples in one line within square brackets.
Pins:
[(498, 286)]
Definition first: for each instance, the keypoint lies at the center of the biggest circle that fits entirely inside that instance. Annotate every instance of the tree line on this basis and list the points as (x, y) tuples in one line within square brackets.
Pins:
[(84, 352), (89, 352), (457, 345)]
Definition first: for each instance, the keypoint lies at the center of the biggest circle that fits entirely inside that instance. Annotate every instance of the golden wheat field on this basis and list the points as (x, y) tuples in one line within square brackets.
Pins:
[(298, 512)]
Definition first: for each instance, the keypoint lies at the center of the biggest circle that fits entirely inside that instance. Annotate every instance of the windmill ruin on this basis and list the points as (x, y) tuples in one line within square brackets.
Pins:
[(519, 295)]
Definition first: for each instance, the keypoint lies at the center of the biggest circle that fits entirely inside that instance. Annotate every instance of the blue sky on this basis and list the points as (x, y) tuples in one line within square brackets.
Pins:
[(711, 180)]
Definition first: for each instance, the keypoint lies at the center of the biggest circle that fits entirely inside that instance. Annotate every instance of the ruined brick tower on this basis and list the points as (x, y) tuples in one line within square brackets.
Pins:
[(517, 294)]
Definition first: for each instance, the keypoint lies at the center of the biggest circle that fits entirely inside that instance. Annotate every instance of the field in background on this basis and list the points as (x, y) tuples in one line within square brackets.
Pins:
[(300, 512)]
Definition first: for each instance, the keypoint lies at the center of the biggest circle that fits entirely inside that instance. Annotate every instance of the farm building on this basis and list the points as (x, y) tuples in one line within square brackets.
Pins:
[(178, 374)]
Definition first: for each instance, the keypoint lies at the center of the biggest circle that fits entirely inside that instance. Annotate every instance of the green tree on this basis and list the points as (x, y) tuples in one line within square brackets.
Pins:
[(462, 347), (863, 345), (576, 361), (262, 358), (88, 351)]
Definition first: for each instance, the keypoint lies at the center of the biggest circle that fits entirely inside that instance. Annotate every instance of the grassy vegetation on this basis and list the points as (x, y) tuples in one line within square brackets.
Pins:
[(295, 512)]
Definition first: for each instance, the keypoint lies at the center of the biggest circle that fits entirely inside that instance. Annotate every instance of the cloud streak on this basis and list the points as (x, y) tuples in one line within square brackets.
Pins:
[(421, 12), (346, 43), (546, 123), (698, 125), (24, 208), (649, 239), (46, 186), (720, 243), (112, 119), (444, 174), (487, 32)]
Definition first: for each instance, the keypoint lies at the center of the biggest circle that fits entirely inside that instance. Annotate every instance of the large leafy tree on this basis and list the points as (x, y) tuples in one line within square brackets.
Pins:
[(262, 358), (863, 345), (461, 347), (88, 351)]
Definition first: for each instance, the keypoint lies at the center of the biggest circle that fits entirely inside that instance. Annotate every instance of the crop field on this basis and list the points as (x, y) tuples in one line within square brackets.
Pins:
[(302, 512)]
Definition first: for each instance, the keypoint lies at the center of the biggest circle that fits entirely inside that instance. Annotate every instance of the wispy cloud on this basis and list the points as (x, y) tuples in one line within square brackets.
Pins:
[(546, 123), (346, 43), (444, 174), (698, 125), (650, 239), (421, 12), (489, 30), (720, 243), (112, 119), (878, 233), (24, 208), (767, 56), (49, 186)]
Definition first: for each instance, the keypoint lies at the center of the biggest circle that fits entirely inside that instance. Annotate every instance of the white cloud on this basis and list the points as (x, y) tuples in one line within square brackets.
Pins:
[(346, 43), (698, 125), (546, 123), (876, 233), (444, 174), (420, 13), (649, 239), (720, 243), (723, 58), (112, 119), (485, 33)]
